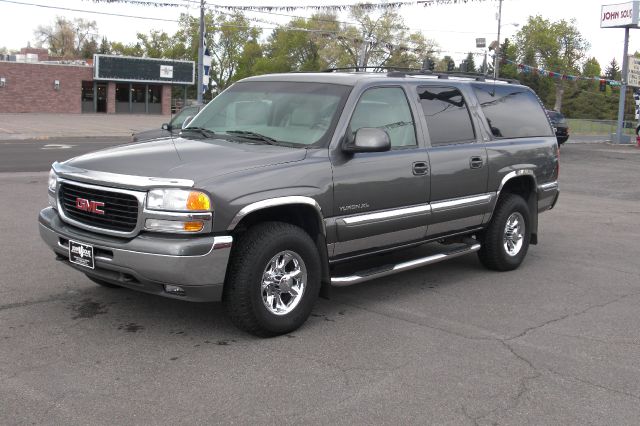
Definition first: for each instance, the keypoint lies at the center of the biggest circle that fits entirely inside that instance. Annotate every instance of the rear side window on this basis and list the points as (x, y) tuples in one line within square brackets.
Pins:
[(512, 111), (447, 115)]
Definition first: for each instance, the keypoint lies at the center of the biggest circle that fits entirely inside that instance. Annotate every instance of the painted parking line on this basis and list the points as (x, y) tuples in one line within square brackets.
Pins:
[(57, 146)]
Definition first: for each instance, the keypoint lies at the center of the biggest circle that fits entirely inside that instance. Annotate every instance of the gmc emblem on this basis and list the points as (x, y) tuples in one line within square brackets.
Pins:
[(89, 205)]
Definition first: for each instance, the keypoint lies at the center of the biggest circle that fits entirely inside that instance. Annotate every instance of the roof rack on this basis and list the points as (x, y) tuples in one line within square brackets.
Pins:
[(405, 72), (376, 68)]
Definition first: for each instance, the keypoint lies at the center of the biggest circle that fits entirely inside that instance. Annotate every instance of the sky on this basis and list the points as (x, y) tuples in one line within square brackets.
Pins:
[(454, 27)]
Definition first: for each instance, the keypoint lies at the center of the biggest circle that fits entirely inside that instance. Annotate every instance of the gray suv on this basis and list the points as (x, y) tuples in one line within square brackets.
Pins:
[(274, 190)]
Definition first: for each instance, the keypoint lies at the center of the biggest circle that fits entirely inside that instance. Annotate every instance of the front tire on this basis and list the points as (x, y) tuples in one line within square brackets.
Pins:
[(273, 279), (505, 242)]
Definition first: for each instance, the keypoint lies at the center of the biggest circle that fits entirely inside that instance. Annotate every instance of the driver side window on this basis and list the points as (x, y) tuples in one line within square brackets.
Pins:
[(386, 108)]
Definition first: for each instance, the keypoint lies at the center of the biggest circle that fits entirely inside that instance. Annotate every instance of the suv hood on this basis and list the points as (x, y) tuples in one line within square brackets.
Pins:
[(180, 158)]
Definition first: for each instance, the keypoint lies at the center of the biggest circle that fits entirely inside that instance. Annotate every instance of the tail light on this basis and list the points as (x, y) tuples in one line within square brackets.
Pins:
[(557, 160)]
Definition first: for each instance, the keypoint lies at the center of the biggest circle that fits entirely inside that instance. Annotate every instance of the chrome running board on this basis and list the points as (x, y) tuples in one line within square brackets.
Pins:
[(386, 270)]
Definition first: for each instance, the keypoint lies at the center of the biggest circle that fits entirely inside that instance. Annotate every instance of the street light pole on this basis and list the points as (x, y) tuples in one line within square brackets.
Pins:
[(496, 60), (200, 54)]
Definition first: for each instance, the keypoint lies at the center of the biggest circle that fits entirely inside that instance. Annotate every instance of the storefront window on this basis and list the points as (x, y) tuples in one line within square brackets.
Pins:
[(138, 99), (122, 97), (155, 99), (87, 96)]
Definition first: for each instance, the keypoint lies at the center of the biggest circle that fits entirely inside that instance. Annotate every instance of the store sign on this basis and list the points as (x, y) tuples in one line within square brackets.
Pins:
[(143, 70), (166, 71), (619, 15), (633, 75)]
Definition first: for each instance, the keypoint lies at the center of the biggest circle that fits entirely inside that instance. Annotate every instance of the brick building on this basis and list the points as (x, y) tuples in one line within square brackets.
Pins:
[(32, 82)]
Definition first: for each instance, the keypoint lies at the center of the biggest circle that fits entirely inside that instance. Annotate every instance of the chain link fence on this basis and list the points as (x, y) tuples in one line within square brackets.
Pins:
[(603, 128)]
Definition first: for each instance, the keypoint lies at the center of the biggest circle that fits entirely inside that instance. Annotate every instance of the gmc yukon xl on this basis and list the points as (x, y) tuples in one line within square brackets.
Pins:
[(283, 179)]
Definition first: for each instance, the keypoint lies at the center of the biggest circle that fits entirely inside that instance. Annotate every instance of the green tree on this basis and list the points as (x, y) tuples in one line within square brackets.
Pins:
[(558, 46), (591, 68), (508, 60), (470, 62), (68, 38), (380, 39), (105, 46), (131, 49), (613, 72), (227, 34)]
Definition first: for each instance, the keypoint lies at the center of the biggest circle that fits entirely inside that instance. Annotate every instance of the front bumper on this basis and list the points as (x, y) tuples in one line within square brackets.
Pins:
[(147, 262)]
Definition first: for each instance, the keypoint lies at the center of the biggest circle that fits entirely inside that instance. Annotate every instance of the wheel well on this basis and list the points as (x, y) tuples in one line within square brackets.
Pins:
[(303, 216), (525, 187)]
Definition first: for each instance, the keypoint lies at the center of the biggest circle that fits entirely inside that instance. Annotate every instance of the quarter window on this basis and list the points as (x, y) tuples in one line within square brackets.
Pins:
[(447, 115), (386, 108), (512, 111)]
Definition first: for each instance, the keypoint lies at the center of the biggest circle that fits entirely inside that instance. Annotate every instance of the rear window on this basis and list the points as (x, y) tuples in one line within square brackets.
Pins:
[(512, 111)]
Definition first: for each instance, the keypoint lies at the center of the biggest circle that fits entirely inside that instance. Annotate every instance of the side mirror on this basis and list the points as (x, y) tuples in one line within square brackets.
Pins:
[(368, 139), (166, 126), (186, 121)]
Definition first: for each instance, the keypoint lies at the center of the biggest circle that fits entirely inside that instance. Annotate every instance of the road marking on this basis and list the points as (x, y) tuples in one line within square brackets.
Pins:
[(56, 146)]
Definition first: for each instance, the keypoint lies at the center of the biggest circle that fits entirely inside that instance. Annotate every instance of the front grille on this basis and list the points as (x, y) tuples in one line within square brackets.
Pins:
[(120, 210)]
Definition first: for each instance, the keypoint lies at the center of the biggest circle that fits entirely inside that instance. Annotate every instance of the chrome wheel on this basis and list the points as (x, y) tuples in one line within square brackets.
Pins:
[(283, 282), (513, 237)]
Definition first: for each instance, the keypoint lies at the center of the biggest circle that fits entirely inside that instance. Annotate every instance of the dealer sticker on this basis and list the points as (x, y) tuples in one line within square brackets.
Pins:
[(81, 254)]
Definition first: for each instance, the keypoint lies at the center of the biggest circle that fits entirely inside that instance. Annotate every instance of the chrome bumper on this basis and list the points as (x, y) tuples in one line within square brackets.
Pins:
[(147, 262)]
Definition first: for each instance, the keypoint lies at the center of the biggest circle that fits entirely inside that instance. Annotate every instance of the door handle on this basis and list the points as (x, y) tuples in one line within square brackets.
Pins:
[(475, 162), (420, 168)]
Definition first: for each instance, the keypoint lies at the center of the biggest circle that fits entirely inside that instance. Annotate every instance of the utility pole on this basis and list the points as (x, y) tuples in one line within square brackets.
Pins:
[(496, 60), (200, 54), (623, 88)]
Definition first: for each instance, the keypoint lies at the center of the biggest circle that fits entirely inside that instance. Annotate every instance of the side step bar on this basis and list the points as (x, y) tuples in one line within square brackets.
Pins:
[(386, 270)]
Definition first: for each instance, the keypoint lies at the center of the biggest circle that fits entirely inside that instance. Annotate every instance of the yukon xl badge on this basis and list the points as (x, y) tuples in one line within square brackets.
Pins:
[(89, 205), (354, 207)]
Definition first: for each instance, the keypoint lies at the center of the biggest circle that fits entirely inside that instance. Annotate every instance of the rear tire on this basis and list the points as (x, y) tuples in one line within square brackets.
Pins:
[(273, 279), (505, 242), (103, 283)]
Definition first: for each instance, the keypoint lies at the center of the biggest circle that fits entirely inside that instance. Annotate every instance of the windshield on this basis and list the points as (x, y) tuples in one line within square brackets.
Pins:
[(287, 113), (177, 121)]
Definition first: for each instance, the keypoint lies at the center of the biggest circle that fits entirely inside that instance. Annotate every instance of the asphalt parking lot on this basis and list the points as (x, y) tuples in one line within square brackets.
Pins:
[(555, 342)]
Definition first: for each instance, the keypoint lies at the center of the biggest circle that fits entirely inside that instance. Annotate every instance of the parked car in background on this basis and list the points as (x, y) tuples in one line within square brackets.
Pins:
[(560, 125), (172, 128)]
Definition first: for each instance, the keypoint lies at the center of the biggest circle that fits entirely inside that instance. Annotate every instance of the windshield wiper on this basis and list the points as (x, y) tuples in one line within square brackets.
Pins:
[(253, 136), (200, 130)]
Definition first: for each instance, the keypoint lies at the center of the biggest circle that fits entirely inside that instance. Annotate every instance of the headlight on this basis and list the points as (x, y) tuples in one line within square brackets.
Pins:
[(51, 194), (53, 181), (178, 200)]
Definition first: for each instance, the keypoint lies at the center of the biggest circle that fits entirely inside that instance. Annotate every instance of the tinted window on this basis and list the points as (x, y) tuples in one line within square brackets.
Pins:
[(512, 111), (386, 108), (447, 115)]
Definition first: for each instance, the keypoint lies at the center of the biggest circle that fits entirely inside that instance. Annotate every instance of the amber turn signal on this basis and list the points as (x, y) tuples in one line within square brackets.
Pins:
[(194, 226), (198, 201)]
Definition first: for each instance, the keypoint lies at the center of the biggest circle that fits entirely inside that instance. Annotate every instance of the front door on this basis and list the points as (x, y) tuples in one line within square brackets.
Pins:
[(381, 198), (101, 97)]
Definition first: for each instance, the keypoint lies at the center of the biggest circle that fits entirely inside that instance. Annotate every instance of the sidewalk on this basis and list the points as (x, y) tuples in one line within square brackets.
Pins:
[(46, 126)]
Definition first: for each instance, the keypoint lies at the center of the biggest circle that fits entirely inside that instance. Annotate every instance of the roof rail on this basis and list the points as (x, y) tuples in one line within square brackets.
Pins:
[(376, 68), (405, 72)]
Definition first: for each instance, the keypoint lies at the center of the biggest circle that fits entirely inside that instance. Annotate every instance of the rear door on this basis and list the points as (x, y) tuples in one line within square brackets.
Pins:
[(458, 161)]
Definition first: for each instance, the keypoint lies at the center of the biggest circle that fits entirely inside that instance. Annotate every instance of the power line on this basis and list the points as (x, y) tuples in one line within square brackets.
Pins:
[(121, 15)]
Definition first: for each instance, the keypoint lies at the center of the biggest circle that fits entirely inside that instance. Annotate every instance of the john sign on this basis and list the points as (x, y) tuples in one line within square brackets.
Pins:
[(620, 15)]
